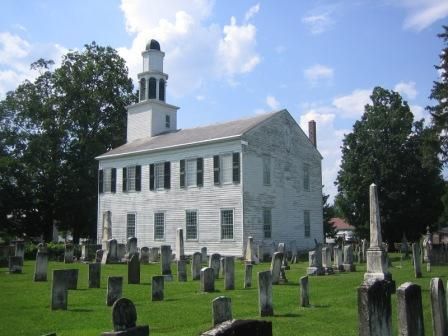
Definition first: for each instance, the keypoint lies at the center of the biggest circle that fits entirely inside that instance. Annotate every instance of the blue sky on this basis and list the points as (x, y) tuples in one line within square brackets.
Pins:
[(234, 59)]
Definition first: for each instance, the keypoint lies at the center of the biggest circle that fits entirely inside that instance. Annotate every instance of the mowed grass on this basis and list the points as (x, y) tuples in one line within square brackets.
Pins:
[(25, 305)]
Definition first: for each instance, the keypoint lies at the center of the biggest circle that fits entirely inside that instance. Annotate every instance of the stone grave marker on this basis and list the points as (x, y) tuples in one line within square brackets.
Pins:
[(207, 279), (282, 249), (180, 252), (154, 254), (144, 255), (59, 290), (410, 310), (337, 264), (94, 275), (121, 252), (68, 253), (15, 264), (438, 307), (134, 269), (326, 260), (276, 267), (248, 275), (416, 257), (41, 267), (215, 263), (265, 293), (182, 270), (229, 273), (72, 278), (107, 229), (42, 247), (250, 257), (304, 292), (114, 289), (204, 255), (348, 259), (221, 309), (131, 248), (20, 249), (99, 255), (196, 266), (157, 287), (166, 262)]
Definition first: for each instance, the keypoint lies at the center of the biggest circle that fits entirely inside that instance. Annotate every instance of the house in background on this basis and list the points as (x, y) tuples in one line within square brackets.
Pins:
[(343, 229), (222, 183)]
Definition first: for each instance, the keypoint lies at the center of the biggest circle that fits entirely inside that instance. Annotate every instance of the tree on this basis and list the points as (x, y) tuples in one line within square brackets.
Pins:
[(439, 92), (387, 148), (328, 214)]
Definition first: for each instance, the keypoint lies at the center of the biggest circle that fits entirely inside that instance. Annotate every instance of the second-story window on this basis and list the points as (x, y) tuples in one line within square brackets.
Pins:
[(167, 121), (160, 176), (226, 168), (132, 178), (267, 170), (306, 177), (107, 180), (191, 172)]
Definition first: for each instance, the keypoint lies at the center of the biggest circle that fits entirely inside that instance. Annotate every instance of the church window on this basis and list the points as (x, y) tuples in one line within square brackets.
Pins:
[(306, 177), (162, 90), (130, 225), (306, 221), (132, 178), (267, 223), (191, 224), (226, 223), (167, 121), (191, 172), (226, 168), (107, 180), (226, 171), (160, 176), (142, 89), (152, 88), (266, 170), (159, 226)]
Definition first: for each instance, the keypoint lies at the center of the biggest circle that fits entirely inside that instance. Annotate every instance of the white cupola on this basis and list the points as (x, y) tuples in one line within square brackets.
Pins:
[(151, 115)]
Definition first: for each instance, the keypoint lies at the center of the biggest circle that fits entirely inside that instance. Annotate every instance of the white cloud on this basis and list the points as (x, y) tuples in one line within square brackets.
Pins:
[(272, 102), (317, 73), (252, 12), (406, 88), (352, 105), (318, 23), (200, 98), (423, 13)]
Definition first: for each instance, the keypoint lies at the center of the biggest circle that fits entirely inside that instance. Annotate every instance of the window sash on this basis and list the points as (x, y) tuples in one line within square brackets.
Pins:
[(167, 121), (159, 226), (266, 170), (191, 224), (107, 180), (267, 223), (226, 168), (191, 173), (159, 175), (227, 224), (130, 225), (131, 178), (306, 177), (306, 221)]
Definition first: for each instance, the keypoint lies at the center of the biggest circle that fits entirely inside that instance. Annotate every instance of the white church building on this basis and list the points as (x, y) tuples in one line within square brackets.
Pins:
[(259, 176)]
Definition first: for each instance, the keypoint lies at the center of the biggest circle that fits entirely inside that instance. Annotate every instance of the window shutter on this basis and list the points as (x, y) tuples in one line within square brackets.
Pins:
[(236, 167), (100, 181), (138, 178), (151, 176), (125, 179), (216, 169), (199, 172), (113, 180), (182, 173), (167, 175)]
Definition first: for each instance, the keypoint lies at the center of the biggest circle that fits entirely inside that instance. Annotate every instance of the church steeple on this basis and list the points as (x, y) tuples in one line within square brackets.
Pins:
[(151, 115)]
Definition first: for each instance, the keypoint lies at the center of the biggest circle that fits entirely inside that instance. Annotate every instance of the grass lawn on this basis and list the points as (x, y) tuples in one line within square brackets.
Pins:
[(25, 305)]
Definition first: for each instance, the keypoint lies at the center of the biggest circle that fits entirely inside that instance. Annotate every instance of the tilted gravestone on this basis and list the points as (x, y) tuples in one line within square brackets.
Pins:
[(15, 264), (207, 279), (438, 308), (41, 267), (144, 255), (59, 290), (157, 287), (68, 253), (114, 289), (410, 311), (124, 319), (248, 275), (304, 292), (221, 309), (374, 308), (229, 273), (182, 270), (215, 263), (165, 264), (134, 269), (416, 257), (276, 267), (196, 266), (241, 328), (94, 275), (265, 293)]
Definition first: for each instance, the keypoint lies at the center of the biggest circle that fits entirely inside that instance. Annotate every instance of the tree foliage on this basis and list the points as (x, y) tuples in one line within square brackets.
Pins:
[(387, 148), (51, 131), (328, 214)]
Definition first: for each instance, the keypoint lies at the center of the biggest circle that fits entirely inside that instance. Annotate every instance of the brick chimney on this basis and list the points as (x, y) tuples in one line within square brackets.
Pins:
[(312, 132)]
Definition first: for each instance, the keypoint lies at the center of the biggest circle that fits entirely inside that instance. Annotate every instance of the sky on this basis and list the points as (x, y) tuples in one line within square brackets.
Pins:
[(234, 59)]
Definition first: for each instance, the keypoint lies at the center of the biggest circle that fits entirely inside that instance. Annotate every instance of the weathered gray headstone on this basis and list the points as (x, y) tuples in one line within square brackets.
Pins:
[(282, 249), (338, 261), (15, 264), (229, 273), (326, 260), (157, 287), (154, 254), (248, 276), (42, 247), (348, 259), (111, 253), (131, 248), (180, 254), (41, 267), (134, 269), (410, 311), (144, 255), (241, 328), (276, 266), (20, 249), (204, 255), (59, 290), (215, 263), (438, 308), (416, 257), (265, 293), (107, 228), (196, 266), (121, 252), (364, 247), (72, 278), (374, 308), (181, 270), (250, 252), (221, 267), (166, 262), (94, 275), (68, 253), (315, 262), (99, 255), (207, 279), (114, 289), (304, 292), (221, 309)]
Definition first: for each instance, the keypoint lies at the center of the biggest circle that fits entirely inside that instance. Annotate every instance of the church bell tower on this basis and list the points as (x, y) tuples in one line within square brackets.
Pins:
[(151, 116)]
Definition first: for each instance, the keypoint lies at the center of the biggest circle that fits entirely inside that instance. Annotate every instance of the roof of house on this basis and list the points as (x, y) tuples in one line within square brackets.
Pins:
[(341, 224), (190, 136)]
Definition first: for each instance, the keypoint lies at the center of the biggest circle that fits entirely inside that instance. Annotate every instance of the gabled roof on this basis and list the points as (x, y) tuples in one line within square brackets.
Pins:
[(190, 136), (340, 224)]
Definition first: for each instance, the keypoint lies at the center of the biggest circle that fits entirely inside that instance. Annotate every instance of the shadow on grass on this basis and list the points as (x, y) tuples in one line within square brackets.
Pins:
[(319, 306), (287, 315), (81, 310)]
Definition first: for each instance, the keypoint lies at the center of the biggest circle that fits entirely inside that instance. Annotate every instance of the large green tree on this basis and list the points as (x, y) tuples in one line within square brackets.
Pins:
[(54, 128), (387, 148)]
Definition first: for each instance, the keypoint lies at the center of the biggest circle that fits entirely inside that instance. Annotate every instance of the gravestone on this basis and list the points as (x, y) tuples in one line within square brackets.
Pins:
[(59, 290), (404, 247), (134, 269), (348, 259), (276, 267), (410, 310), (196, 266), (124, 318), (114, 289), (15, 264), (374, 308), (41, 267), (166, 262), (72, 278), (438, 308), (131, 248), (426, 245), (214, 263), (304, 292), (180, 253), (157, 287), (221, 266), (338, 262), (282, 249), (94, 275), (250, 257), (144, 255), (68, 253), (326, 260), (154, 254), (107, 229), (121, 252), (265, 293), (315, 262), (416, 257), (111, 254), (248, 275), (221, 309), (204, 255), (20, 249), (364, 246), (99, 255), (241, 328), (207, 279), (84, 253), (42, 247), (182, 270), (229, 273)]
